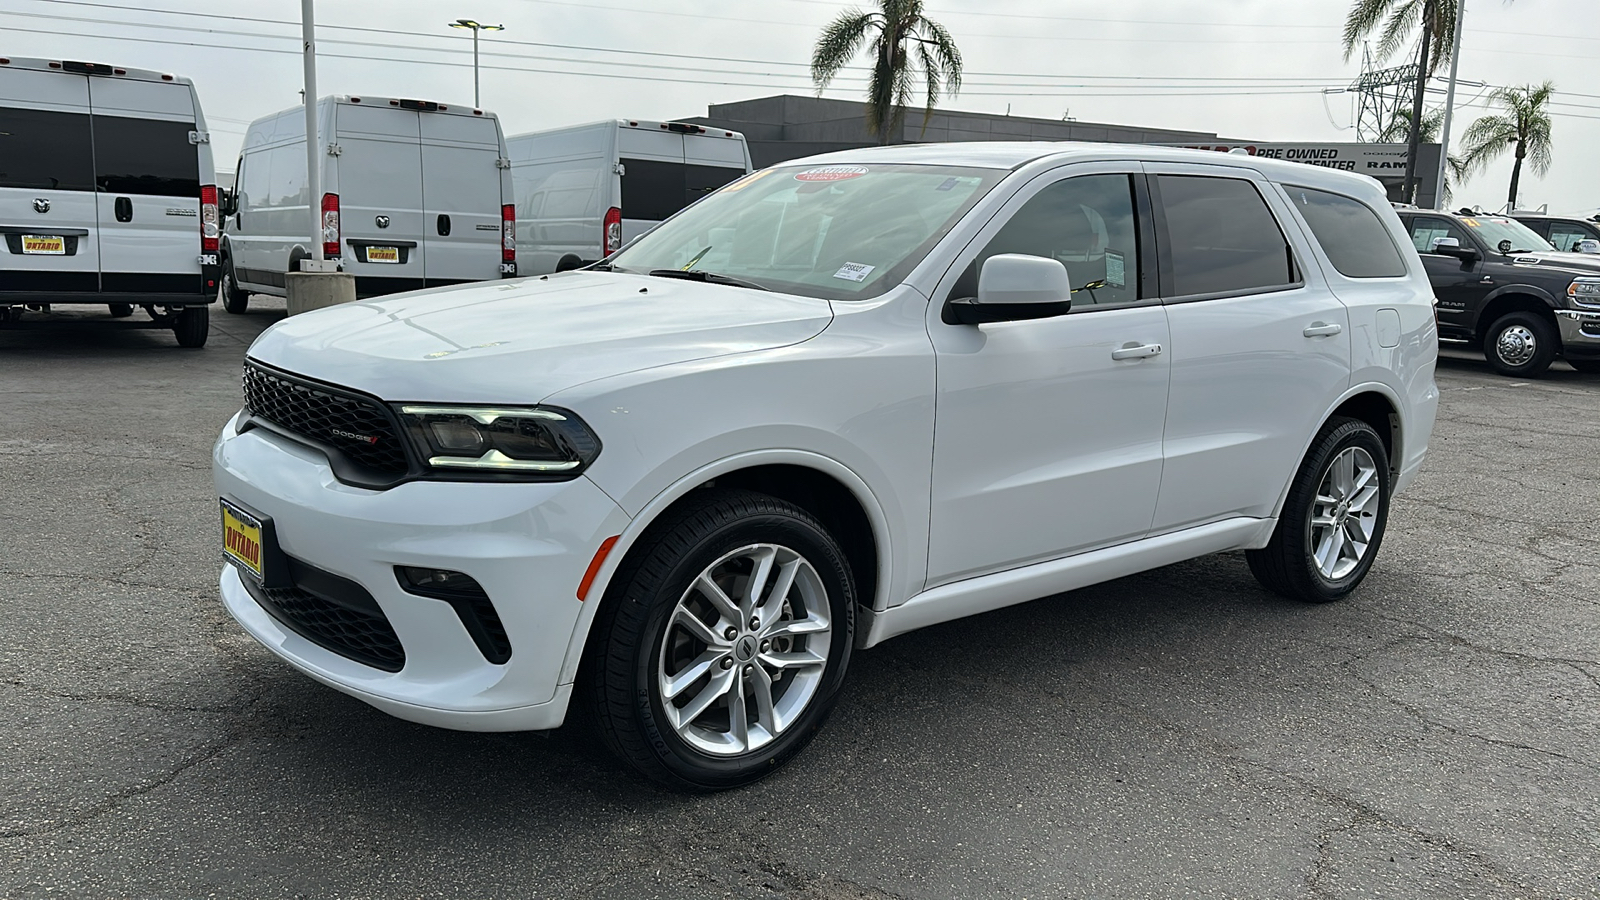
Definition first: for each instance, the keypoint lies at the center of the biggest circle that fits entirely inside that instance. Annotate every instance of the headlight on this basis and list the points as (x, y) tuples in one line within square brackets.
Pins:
[(1585, 290), (513, 440)]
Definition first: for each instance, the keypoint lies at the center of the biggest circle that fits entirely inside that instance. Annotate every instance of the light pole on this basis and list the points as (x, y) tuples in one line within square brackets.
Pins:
[(476, 27), (1450, 105)]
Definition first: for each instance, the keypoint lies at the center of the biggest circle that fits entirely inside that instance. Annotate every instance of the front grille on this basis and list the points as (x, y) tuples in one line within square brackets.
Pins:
[(357, 427), (366, 637)]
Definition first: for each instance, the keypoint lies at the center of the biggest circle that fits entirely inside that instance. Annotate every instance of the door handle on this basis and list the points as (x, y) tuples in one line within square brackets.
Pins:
[(442, 225), (1131, 350), (1322, 329), (123, 207)]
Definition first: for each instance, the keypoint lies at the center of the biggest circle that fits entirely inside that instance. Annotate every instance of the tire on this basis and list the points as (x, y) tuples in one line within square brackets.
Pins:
[(234, 299), (639, 643), (194, 325), (121, 310), (1521, 345), (1293, 562), (1586, 366)]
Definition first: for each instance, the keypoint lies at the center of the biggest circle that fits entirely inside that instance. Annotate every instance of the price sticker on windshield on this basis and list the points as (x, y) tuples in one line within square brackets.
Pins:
[(831, 173), (852, 271)]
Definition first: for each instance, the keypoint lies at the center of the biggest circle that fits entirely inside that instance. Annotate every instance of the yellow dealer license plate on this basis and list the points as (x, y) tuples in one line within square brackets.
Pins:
[(241, 539), (383, 254), (48, 244)]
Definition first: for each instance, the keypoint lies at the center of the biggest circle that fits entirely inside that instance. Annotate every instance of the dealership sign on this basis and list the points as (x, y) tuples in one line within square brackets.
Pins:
[(1377, 160)]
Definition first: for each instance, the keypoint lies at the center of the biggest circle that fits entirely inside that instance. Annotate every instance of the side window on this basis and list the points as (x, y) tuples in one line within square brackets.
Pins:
[(1566, 237), (145, 156), (1426, 229), (1355, 239), (253, 180), (1223, 237), (1086, 223), (43, 150)]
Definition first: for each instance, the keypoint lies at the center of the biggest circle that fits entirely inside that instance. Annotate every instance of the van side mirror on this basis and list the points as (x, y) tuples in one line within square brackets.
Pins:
[(1449, 246), (1013, 287)]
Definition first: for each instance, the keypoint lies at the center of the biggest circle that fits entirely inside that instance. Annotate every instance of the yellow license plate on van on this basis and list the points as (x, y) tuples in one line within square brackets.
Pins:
[(46, 244), (241, 539), (383, 254)]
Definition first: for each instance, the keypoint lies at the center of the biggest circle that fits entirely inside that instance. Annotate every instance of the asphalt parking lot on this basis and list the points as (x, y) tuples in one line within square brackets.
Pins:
[(1175, 734)]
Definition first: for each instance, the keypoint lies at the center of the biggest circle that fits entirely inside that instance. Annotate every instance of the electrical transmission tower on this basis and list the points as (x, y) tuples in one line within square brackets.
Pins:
[(1383, 93)]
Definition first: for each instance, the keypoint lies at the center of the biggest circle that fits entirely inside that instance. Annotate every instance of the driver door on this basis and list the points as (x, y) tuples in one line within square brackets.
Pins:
[(1457, 283), (1047, 436)]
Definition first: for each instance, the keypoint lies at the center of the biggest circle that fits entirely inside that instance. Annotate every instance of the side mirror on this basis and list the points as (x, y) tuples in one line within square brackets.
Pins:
[(1588, 246), (1449, 246), (1013, 287)]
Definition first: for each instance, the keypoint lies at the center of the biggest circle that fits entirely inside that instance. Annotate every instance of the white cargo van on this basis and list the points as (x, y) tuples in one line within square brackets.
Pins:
[(415, 194), (107, 194), (584, 191)]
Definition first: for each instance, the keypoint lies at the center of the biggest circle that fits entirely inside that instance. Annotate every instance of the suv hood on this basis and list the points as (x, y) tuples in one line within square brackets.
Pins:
[(1576, 263), (521, 341)]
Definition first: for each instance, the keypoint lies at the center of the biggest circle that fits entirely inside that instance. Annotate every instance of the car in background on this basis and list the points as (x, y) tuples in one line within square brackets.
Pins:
[(1504, 289), (584, 191), (414, 194), (833, 402), (1566, 233), (107, 194)]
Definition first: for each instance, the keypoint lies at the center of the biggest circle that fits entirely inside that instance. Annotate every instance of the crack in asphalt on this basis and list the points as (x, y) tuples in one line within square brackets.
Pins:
[(113, 697)]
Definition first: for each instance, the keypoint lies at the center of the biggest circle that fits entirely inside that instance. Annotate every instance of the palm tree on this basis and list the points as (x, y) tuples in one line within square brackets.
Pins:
[(1397, 18), (1525, 125), (1399, 127), (889, 28)]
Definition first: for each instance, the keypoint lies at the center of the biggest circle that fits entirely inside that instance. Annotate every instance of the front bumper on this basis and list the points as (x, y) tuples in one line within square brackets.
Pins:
[(1580, 331), (526, 544)]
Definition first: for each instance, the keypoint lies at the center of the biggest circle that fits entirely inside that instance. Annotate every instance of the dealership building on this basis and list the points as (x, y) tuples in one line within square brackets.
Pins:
[(787, 127)]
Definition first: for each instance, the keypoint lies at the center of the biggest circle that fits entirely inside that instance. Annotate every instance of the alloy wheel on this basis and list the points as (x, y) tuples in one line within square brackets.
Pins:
[(1344, 513)]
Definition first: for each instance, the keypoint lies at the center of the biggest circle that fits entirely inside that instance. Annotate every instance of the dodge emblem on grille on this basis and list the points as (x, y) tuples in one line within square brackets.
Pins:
[(352, 436)]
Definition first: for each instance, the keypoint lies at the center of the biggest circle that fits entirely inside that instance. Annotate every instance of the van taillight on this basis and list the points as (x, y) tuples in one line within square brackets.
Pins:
[(208, 219), (330, 225), (508, 233), (613, 232)]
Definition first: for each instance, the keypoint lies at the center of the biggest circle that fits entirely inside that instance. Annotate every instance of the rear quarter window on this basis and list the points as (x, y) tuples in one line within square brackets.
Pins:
[(44, 150), (1222, 237), (1351, 234)]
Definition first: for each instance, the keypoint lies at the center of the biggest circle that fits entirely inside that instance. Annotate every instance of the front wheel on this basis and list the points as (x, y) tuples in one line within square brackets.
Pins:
[(1333, 519), (723, 642), (193, 326), (1521, 344), (234, 299)]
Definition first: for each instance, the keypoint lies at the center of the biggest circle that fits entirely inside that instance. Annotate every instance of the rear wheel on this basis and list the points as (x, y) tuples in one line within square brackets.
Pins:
[(722, 643), (193, 326), (121, 310), (1586, 366), (1333, 519), (1521, 344), (234, 299)]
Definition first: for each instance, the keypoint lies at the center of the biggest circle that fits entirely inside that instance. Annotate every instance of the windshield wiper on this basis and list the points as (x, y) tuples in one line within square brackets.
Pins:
[(707, 277)]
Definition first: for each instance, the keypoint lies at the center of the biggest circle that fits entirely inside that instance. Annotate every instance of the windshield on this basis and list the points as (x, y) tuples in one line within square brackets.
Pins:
[(1493, 230), (840, 232)]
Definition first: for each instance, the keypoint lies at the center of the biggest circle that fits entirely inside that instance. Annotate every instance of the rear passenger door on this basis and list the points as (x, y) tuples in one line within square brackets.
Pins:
[(147, 170), (46, 185), (1260, 345), (1458, 284), (461, 197)]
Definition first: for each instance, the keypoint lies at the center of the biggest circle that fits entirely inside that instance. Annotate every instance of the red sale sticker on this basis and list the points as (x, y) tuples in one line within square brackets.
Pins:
[(831, 173)]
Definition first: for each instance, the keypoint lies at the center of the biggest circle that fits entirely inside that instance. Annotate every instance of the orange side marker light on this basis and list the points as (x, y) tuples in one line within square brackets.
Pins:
[(594, 566)]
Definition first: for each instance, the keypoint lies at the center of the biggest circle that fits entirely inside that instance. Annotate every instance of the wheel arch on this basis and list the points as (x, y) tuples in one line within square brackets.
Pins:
[(1373, 402), (823, 486), (1513, 298)]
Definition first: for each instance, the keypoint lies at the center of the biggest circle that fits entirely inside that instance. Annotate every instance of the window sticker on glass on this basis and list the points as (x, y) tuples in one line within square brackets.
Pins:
[(854, 271), (831, 173), (949, 183), (1116, 272)]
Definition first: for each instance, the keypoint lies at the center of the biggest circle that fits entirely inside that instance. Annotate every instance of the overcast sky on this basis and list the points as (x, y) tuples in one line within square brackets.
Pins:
[(557, 63)]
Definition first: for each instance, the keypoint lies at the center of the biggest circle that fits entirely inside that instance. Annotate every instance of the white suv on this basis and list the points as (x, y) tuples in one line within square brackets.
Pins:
[(833, 402)]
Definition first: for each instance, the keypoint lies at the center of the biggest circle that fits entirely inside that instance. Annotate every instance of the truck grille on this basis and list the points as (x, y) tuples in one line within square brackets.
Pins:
[(357, 427)]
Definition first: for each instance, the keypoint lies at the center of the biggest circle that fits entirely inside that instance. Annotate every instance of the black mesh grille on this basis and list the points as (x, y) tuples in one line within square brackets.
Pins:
[(357, 427), (365, 637)]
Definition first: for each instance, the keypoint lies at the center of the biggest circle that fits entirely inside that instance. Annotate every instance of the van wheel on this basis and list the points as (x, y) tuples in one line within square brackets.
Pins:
[(234, 299), (1521, 344), (722, 642), (121, 310), (568, 263), (1333, 520), (194, 325)]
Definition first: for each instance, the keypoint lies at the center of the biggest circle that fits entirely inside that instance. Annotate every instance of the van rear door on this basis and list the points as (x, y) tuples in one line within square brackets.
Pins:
[(147, 170), (461, 197), (380, 197), (48, 229), (711, 162), (653, 185)]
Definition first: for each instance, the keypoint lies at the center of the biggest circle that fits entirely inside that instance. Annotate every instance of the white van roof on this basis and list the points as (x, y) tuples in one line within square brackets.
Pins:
[(449, 109), (642, 125), (74, 67)]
